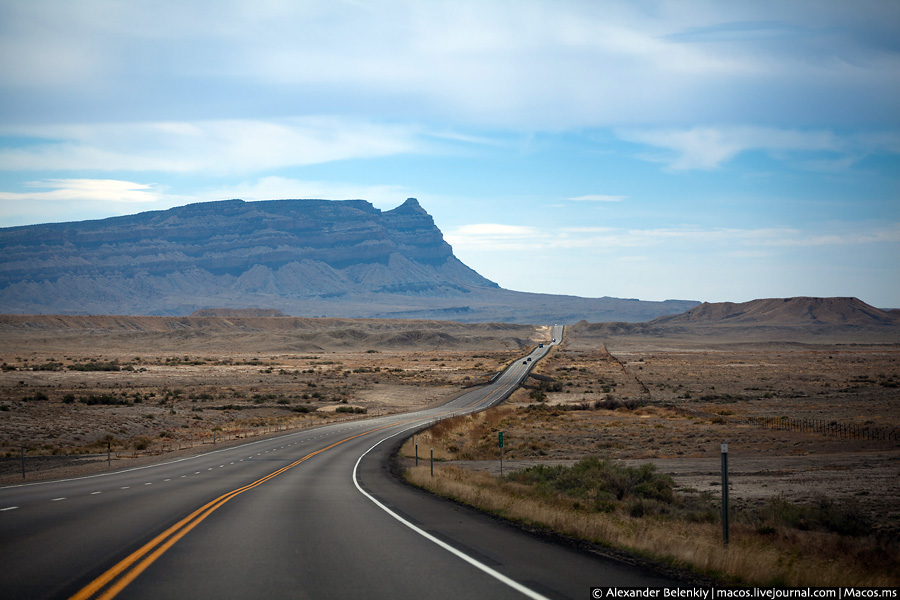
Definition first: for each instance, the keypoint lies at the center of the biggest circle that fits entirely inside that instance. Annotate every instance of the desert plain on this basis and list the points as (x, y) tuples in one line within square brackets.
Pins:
[(805, 419)]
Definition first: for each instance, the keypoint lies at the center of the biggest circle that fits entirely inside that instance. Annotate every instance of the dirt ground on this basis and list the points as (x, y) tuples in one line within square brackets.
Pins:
[(677, 405), (155, 404), (666, 401)]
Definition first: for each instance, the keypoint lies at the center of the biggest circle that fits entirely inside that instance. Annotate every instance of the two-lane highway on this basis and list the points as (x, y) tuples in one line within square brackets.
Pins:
[(311, 514)]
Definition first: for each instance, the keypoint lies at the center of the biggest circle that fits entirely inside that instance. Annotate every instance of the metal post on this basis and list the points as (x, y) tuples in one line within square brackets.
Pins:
[(109, 454), (417, 454), (432, 462), (725, 494), (214, 437), (500, 443), (23, 462)]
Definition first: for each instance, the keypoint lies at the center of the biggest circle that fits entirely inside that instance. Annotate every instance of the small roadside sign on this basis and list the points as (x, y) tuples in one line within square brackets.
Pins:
[(500, 440)]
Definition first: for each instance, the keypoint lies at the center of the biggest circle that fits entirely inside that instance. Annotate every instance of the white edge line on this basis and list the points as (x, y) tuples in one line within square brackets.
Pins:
[(478, 565)]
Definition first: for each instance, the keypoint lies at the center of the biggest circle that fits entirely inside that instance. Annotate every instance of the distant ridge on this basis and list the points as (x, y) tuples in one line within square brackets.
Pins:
[(800, 319), (270, 334), (800, 311), (237, 312), (304, 258)]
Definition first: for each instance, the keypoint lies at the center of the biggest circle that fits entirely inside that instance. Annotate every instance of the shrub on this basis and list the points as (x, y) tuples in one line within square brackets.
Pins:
[(48, 366), (96, 366), (104, 399), (822, 515), (598, 481)]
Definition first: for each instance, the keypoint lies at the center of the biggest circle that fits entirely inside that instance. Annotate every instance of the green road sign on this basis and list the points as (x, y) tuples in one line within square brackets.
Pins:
[(500, 440)]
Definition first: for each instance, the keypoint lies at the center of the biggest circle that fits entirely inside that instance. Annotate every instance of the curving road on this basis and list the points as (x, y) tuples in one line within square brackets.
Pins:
[(311, 514)]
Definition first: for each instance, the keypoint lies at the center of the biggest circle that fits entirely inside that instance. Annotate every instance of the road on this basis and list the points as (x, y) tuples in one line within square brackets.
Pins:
[(310, 514)]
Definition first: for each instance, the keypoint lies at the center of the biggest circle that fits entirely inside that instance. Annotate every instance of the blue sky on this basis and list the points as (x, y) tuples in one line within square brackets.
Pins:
[(717, 151)]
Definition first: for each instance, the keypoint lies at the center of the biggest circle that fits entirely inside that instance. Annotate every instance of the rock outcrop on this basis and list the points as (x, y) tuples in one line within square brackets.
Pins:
[(302, 257)]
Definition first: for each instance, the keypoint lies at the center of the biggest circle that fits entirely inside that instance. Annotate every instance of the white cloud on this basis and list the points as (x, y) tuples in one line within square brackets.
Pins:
[(57, 200), (598, 198), (232, 146), (93, 190), (710, 147), (530, 64), (495, 237), (685, 239)]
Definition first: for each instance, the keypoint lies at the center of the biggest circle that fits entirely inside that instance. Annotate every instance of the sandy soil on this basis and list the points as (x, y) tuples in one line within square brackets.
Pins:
[(687, 401), (216, 387), (688, 396)]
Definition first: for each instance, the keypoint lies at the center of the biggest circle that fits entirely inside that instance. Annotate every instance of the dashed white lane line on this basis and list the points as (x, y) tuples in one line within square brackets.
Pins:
[(126, 487)]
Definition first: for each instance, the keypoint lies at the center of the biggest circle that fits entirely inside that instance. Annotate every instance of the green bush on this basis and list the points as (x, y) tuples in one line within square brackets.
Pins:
[(96, 366), (599, 481), (104, 399), (48, 366), (821, 515)]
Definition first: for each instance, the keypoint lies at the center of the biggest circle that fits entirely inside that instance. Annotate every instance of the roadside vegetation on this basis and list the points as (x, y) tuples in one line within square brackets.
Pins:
[(640, 510)]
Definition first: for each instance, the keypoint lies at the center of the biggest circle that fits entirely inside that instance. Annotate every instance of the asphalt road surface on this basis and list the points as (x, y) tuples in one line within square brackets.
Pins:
[(310, 514)]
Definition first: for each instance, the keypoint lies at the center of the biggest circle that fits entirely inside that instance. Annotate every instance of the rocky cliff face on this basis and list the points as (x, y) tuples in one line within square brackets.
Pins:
[(292, 248), (302, 257)]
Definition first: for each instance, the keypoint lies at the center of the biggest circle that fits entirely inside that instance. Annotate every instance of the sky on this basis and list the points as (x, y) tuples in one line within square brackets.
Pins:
[(712, 151)]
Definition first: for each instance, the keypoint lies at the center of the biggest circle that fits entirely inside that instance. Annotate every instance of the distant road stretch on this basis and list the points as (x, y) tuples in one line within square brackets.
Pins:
[(310, 514)]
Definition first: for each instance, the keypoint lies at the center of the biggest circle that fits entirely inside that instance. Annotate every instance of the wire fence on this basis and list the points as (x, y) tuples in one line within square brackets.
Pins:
[(826, 427)]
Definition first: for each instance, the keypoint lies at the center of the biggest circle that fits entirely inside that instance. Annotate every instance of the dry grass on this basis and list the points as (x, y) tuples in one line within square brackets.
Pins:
[(785, 559), (464, 437), (673, 406)]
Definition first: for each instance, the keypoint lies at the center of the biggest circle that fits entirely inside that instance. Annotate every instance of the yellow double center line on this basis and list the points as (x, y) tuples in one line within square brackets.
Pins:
[(113, 581), (118, 577)]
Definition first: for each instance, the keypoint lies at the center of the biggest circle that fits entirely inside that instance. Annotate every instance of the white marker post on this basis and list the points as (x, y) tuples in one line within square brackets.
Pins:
[(725, 494)]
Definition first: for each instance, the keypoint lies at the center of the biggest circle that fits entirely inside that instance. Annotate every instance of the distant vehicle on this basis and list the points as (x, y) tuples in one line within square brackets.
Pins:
[(554, 340), (524, 362), (529, 359), (540, 345)]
